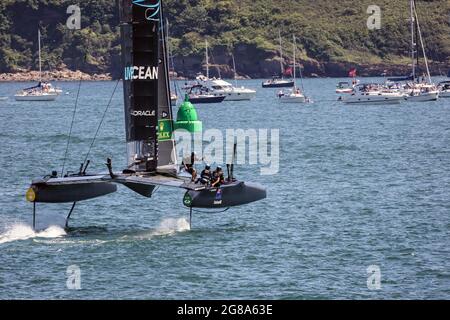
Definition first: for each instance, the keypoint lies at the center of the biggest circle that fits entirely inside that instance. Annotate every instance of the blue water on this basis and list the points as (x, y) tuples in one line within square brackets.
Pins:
[(358, 186)]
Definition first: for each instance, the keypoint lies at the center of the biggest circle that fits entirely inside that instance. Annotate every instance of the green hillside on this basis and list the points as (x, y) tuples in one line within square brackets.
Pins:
[(328, 32)]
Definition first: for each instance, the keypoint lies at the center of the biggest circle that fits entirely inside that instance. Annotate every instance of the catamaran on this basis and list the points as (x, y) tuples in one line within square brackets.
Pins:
[(42, 91), (151, 148), (279, 82), (294, 95)]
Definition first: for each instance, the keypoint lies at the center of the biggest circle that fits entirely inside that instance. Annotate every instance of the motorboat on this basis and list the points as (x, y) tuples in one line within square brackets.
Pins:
[(444, 88)]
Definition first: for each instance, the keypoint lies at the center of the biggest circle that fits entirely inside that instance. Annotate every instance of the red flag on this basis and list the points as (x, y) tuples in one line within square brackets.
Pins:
[(352, 73), (288, 72)]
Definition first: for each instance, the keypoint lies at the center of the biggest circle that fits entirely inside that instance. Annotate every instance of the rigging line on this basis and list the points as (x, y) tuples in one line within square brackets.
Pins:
[(71, 126), (101, 121)]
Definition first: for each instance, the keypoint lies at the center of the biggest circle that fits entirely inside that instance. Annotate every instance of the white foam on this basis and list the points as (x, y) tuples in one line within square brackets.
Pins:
[(166, 227), (20, 231)]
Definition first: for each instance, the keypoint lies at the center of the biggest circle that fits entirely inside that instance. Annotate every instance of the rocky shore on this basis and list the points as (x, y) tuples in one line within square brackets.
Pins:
[(58, 75), (263, 69)]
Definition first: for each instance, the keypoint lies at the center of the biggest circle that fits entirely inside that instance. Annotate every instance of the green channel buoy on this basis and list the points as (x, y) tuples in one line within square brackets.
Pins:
[(187, 117)]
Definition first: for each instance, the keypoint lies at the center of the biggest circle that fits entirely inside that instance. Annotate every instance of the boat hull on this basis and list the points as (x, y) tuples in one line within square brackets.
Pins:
[(238, 96), (213, 99), (299, 99), (48, 97), (373, 100), (278, 85), (232, 195), (423, 97), (41, 192), (444, 94)]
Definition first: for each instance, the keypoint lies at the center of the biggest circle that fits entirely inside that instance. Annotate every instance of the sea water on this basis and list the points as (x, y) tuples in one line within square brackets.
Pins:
[(358, 210)]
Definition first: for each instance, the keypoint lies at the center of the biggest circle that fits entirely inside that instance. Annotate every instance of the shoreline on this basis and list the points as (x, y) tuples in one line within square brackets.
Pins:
[(60, 75), (73, 76)]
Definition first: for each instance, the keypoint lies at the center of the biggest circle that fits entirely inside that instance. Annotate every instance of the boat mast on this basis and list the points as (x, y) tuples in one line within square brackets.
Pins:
[(40, 62), (234, 70), (281, 53), (422, 43), (413, 44), (295, 65), (207, 59)]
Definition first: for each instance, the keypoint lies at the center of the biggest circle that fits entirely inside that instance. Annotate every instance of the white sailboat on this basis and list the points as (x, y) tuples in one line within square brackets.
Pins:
[(419, 91), (41, 92), (293, 95)]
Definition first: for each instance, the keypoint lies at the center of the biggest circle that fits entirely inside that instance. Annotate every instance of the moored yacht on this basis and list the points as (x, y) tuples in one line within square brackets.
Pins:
[(43, 91), (294, 95), (279, 82), (421, 92), (221, 87), (372, 93)]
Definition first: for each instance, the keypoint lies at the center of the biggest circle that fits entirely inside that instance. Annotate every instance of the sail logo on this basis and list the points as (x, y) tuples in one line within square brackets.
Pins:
[(147, 113), (141, 73), (152, 9)]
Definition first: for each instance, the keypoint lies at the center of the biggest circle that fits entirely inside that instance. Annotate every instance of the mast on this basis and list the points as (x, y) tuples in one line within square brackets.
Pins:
[(234, 70), (413, 43), (207, 59), (295, 65), (422, 43), (40, 60), (281, 54)]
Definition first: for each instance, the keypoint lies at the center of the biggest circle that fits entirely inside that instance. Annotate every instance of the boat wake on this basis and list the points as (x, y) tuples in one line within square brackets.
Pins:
[(167, 227), (18, 232)]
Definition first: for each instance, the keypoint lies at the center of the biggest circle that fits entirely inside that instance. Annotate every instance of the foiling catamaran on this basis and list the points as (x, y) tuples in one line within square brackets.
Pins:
[(151, 149)]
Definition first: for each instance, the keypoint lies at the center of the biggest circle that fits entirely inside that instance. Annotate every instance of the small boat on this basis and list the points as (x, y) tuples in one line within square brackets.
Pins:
[(279, 82), (344, 87), (3, 98), (421, 92), (372, 93), (200, 94), (444, 88), (43, 91), (293, 95)]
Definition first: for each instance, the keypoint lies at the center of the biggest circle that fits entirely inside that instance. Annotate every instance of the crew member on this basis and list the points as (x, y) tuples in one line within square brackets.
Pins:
[(206, 175), (188, 164), (218, 178)]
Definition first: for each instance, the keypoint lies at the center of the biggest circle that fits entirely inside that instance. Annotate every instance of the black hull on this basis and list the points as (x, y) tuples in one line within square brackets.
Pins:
[(232, 195), (71, 192), (218, 99), (278, 85)]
